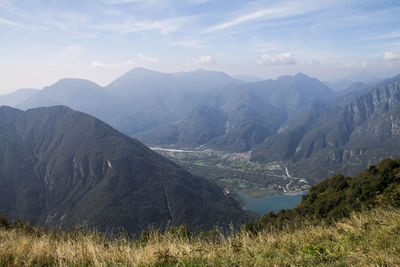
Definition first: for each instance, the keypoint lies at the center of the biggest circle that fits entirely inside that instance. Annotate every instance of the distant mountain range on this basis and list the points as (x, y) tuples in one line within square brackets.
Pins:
[(338, 85), (60, 167), (296, 120), (341, 137), (17, 97), (139, 100)]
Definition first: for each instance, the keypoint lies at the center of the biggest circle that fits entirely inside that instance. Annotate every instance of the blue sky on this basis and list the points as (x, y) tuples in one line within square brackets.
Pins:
[(45, 40)]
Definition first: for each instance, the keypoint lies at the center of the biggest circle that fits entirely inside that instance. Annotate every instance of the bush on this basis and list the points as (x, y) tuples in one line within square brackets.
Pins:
[(4, 222)]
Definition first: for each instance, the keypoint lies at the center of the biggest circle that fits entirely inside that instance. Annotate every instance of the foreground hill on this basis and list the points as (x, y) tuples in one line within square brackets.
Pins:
[(369, 237), (59, 167), (339, 196)]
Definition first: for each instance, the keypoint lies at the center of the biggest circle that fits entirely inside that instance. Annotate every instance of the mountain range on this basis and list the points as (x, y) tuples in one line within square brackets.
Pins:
[(341, 137), (137, 101), (296, 120), (60, 167)]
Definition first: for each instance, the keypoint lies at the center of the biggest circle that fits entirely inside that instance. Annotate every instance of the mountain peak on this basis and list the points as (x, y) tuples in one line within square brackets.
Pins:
[(301, 75), (142, 70), (77, 168), (72, 82)]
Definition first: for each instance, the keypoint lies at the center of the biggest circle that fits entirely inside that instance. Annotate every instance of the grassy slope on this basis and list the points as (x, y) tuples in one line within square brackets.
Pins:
[(369, 238), (350, 222)]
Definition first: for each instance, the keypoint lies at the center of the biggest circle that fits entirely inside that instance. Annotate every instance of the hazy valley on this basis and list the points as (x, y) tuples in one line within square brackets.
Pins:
[(283, 134), (199, 133), (220, 153)]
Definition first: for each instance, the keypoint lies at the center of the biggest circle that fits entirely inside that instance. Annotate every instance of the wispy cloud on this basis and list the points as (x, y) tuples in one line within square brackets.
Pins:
[(190, 43), (130, 26), (388, 35), (147, 58), (277, 12), (70, 51), (9, 22), (128, 63), (280, 59), (200, 60), (391, 57)]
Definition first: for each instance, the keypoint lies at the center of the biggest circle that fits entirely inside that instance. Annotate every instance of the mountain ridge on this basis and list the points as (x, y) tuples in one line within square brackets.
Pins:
[(340, 135), (59, 166)]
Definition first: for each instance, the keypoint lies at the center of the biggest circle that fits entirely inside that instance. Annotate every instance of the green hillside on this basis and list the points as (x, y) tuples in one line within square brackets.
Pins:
[(343, 221), (59, 167)]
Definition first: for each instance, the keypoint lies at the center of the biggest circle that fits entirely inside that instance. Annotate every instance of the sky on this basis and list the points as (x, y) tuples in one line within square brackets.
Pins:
[(42, 41)]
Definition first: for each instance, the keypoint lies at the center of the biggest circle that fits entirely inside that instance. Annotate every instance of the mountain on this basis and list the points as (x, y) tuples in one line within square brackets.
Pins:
[(59, 167), (252, 112), (161, 98), (198, 127), (247, 78), (17, 97), (137, 101), (343, 221), (204, 79), (140, 81), (85, 96), (158, 107), (339, 85), (341, 137), (288, 93)]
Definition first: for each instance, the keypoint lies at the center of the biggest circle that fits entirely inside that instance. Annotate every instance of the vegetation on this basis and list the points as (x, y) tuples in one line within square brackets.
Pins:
[(339, 196), (362, 232), (364, 239), (235, 170), (59, 167)]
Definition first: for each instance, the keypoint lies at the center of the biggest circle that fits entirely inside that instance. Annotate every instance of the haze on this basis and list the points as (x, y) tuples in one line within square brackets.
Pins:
[(44, 41)]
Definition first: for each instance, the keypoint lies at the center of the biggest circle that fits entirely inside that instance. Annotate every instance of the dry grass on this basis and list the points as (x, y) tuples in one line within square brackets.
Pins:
[(367, 239)]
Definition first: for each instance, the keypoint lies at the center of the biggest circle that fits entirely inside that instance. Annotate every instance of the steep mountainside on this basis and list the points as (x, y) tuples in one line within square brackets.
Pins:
[(59, 167), (253, 111), (342, 138), (198, 127)]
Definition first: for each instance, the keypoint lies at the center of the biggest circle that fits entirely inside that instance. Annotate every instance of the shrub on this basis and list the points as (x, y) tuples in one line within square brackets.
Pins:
[(4, 221)]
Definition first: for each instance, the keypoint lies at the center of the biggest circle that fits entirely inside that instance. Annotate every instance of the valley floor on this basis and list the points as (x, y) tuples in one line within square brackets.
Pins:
[(236, 171), (365, 239)]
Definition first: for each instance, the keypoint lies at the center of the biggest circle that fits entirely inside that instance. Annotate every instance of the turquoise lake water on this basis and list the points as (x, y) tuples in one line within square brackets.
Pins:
[(273, 202)]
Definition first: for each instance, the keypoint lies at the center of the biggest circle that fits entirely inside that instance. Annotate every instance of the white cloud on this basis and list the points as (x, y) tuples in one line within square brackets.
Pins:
[(147, 58), (388, 35), (391, 57), (72, 50), (128, 63), (200, 60), (280, 59), (241, 19), (190, 44), (288, 9), (130, 26), (9, 22)]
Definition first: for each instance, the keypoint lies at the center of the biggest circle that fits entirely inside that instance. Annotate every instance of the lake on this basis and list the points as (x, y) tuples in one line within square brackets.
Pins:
[(275, 203)]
